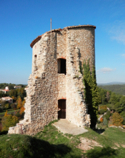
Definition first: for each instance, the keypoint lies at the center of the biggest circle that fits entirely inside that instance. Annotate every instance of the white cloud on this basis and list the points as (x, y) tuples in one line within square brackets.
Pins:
[(117, 31), (105, 70), (123, 55)]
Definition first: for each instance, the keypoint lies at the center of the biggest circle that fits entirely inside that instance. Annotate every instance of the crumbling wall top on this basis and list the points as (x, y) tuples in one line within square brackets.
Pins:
[(58, 30)]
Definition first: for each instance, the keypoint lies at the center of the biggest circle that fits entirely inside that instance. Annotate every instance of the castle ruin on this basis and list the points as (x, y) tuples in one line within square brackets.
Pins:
[(55, 87)]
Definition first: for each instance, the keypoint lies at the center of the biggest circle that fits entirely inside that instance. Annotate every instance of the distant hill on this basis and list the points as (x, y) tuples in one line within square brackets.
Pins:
[(116, 88), (111, 83)]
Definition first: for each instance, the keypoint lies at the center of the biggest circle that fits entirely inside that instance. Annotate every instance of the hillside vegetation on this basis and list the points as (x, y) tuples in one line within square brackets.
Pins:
[(120, 89), (50, 143)]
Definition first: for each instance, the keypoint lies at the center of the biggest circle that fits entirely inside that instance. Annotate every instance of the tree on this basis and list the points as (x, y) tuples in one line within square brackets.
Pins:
[(122, 103), (21, 92), (123, 116), (91, 92), (9, 121), (114, 98), (19, 103), (13, 106), (117, 119), (5, 113), (7, 106), (22, 108), (108, 96), (102, 96)]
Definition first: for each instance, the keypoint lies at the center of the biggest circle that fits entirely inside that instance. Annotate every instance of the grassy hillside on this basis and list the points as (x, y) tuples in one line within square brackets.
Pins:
[(120, 89), (50, 143)]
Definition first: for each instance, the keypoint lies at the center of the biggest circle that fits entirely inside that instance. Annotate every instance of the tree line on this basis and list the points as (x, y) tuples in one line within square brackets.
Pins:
[(10, 85), (119, 89)]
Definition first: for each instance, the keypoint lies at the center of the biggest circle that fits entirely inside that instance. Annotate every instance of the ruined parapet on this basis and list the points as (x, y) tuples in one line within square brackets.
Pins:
[(56, 78)]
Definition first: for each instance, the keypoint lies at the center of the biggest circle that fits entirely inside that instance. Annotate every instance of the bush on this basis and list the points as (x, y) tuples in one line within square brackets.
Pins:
[(102, 111), (9, 121), (117, 119), (7, 106), (102, 107)]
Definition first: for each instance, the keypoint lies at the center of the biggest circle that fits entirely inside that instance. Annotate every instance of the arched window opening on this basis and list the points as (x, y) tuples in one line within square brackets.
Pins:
[(62, 66)]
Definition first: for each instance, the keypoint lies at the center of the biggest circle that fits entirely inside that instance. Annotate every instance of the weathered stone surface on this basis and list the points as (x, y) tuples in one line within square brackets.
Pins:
[(46, 86)]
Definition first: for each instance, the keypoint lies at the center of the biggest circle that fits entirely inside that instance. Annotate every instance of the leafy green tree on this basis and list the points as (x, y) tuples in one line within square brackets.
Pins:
[(122, 102), (13, 93), (102, 96), (114, 98), (21, 92), (8, 121)]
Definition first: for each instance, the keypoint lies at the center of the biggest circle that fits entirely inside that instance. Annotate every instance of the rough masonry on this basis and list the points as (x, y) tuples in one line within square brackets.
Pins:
[(55, 88)]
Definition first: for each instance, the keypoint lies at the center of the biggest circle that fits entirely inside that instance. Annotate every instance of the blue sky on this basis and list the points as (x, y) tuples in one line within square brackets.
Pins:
[(21, 21)]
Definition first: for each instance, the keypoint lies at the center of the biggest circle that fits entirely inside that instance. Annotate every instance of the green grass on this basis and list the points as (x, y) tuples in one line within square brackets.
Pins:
[(115, 135), (111, 140), (50, 143), (66, 141), (9, 111)]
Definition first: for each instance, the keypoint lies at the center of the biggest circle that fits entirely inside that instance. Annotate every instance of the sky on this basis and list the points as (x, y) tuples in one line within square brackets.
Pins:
[(21, 21)]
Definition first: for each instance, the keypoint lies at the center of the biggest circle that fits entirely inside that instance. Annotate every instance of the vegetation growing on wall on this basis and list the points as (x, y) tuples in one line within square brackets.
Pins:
[(91, 93)]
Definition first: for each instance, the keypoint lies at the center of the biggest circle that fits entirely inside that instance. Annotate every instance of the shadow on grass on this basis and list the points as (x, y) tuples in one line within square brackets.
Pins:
[(3, 133), (99, 131), (30, 147), (103, 153), (45, 149)]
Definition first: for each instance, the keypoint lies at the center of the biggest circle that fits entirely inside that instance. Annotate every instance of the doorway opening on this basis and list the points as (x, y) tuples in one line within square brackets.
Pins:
[(61, 109), (62, 66)]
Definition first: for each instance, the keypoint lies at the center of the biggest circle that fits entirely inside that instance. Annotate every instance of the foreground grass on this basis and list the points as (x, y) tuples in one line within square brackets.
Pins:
[(50, 143)]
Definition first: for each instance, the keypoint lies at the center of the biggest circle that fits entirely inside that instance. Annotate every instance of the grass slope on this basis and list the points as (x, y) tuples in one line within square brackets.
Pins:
[(50, 143)]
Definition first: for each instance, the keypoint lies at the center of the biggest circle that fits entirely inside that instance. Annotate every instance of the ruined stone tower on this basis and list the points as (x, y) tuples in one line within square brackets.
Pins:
[(55, 88)]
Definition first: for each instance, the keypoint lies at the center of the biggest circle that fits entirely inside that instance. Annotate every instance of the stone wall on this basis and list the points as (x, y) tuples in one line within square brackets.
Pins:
[(61, 86), (46, 86)]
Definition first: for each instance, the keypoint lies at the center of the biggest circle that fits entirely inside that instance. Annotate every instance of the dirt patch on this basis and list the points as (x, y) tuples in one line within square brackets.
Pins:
[(87, 144), (118, 146), (123, 145)]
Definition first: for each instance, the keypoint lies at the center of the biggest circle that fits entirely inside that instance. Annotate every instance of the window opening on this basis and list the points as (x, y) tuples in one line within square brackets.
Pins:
[(61, 109), (62, 66)]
